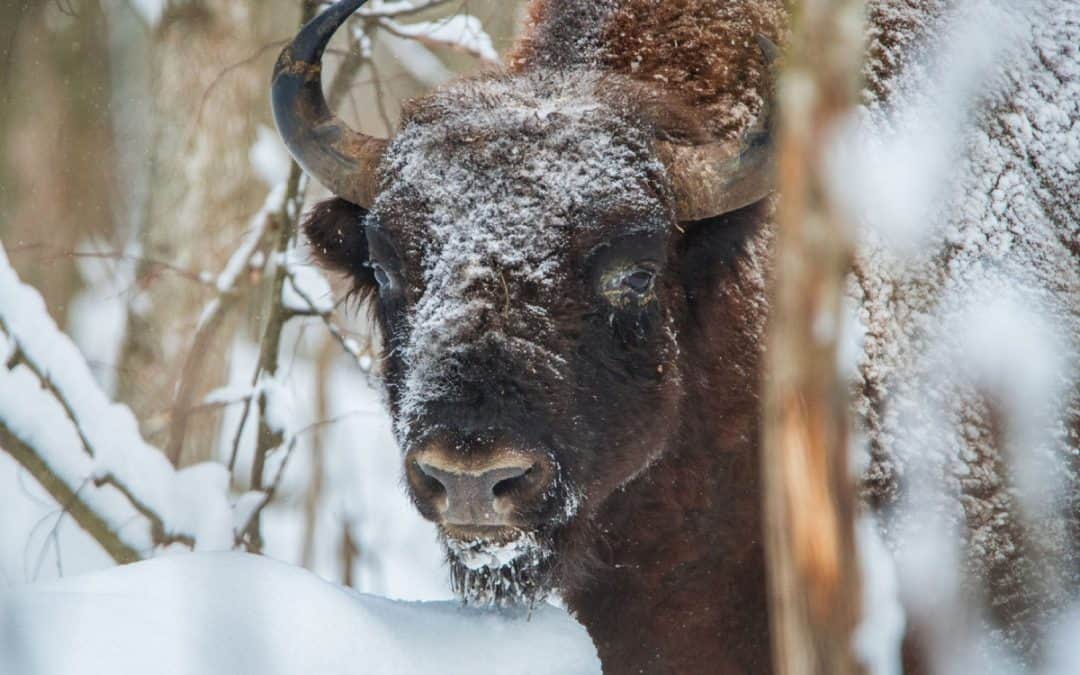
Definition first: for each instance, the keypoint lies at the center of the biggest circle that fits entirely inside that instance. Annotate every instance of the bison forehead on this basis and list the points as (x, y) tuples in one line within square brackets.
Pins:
[(498, 186), (519, 160)]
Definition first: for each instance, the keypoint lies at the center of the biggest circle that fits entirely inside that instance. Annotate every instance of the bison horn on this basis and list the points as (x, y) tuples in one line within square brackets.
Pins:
[(343, 160), (716, 178)]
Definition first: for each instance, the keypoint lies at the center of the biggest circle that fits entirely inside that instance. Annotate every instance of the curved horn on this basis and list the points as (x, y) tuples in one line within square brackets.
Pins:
[(716, 178), (343, 160)]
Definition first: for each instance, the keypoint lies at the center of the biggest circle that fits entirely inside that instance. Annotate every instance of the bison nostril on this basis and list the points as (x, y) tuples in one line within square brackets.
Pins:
[(511, 484), (429, 480)]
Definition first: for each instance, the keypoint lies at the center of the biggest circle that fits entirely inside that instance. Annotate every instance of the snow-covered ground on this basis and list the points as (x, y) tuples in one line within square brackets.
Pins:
[(233, 614)]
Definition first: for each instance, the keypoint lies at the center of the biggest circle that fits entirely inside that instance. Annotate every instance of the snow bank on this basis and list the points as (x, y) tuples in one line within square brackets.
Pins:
[(233, 613)]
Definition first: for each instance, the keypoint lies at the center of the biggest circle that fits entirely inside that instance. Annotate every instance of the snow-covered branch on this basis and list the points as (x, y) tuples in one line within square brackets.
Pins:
[(72, 501), (86, 450)]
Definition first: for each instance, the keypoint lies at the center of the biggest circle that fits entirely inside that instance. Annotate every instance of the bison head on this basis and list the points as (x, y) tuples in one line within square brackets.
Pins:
[(522, 240)]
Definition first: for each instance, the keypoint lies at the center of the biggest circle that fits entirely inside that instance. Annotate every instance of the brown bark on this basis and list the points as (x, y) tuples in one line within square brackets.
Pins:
[(809, 494)]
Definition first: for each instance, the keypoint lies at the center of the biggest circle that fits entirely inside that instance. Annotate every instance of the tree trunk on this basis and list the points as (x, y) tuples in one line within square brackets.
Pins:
[(55, 142), (809, 496), (208, 62)]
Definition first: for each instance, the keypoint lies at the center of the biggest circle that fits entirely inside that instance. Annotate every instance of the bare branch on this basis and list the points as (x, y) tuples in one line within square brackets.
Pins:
[(429, 41), (48, 376), (380, 99), (249, 535), (221, 76), (158, 529), (268, 438), (143, 261), (211, 321), (160, 533), (347, 344)]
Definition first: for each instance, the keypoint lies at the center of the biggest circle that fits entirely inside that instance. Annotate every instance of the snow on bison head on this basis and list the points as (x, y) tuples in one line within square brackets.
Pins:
[(531, 240)]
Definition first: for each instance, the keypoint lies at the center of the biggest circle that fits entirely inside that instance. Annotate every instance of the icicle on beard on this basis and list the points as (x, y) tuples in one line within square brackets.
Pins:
[(514, 574)]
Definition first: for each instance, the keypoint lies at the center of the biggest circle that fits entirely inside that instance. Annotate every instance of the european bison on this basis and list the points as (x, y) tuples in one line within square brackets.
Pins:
[(568, 259)]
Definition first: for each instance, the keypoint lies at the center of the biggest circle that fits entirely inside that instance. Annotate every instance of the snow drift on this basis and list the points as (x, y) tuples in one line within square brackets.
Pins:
[(232, 614)]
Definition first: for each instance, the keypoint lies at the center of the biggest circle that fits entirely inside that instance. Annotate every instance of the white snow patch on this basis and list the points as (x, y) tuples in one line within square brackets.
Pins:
[(279, 407), (1063, 652), (879, 634), (222, 614), (479, 554), (268, 156), (149, 10)]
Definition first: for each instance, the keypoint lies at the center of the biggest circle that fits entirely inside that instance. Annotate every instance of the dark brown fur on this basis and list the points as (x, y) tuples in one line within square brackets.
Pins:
[(681, 587)]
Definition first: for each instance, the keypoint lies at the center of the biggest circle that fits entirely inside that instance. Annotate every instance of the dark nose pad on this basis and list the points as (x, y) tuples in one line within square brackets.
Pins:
[(477, 494)]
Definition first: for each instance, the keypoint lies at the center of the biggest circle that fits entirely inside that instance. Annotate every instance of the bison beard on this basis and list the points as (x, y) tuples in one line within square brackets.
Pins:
[(518, 567), (515, 572)]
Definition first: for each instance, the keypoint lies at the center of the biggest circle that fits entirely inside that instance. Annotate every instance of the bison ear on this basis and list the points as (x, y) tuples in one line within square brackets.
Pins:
[(710, 247), (335, 229)]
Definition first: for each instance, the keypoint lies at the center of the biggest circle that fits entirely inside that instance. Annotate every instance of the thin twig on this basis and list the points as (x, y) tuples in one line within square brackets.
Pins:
[(249, 535), (380, 99), (267, 438), (212, 319), (52, 535), (198, 277), (347, 343), (240, 428), (429, 41)]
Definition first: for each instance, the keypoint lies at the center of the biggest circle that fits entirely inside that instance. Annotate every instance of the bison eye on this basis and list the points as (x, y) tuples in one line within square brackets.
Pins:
[(639, 281), (633, 284)]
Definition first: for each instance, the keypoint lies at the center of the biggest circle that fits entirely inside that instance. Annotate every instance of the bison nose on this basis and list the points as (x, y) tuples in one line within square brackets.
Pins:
[(475, 493)]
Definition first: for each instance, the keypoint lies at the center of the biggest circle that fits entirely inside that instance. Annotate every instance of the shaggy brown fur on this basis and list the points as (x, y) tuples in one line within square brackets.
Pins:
[(700, 54)]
